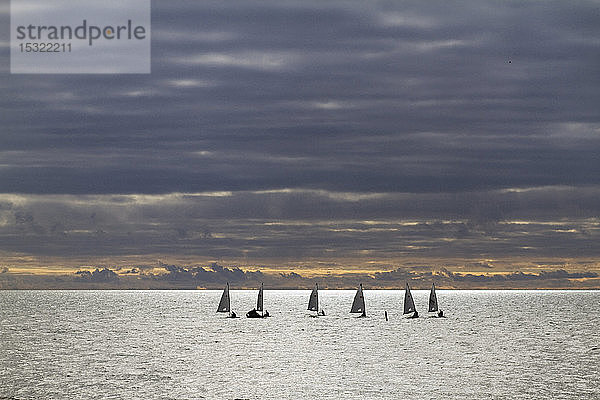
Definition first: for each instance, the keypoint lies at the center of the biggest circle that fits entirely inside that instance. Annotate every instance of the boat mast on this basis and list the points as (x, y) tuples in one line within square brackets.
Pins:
[(228, 299), (317, 287), (260, 294), (362, 296)]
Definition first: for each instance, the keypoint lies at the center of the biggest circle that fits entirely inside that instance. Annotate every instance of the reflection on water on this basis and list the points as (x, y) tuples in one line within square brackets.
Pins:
[(173, 345)]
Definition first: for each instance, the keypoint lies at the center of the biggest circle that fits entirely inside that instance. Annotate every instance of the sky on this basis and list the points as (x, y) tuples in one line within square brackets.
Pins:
[(346, 138)]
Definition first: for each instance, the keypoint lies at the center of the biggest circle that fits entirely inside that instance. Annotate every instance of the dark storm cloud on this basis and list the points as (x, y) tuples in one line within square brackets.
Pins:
[(344, 96), (316, 129)]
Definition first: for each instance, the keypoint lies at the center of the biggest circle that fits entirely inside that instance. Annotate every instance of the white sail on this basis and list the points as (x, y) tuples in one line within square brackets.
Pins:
[(225, 304), (433, 304), (358, 305), (313, 301), (259, 301), (409, 303)]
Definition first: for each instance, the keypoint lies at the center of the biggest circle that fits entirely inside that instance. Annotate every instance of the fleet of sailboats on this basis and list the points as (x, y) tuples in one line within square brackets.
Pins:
[(358, 304)]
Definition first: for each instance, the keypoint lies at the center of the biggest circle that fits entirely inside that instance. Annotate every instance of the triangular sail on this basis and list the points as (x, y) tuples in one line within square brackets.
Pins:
[(313, 302), (358, 305), (259, 301), (433, 304), (225, 303), (409, 303)]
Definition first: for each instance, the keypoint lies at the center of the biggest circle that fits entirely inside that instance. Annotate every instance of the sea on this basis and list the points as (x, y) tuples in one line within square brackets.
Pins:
[(494, 344)]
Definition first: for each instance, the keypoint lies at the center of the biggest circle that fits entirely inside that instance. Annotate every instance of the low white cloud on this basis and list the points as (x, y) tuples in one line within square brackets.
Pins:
[(189, 83), (252, 60), (191, 36), (407, 20)]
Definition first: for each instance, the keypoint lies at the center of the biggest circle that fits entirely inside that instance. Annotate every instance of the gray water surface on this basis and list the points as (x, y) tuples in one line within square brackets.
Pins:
[(173, 345)]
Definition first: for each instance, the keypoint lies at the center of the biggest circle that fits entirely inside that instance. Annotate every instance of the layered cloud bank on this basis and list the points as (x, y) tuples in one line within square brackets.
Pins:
[(291, 227), (215, 276)]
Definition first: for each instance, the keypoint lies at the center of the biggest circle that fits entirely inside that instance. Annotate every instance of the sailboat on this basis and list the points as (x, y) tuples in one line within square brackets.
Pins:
[(409, 303), (313, 302), (358, 305), (225, 303), (433, 303), (259, 306)]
